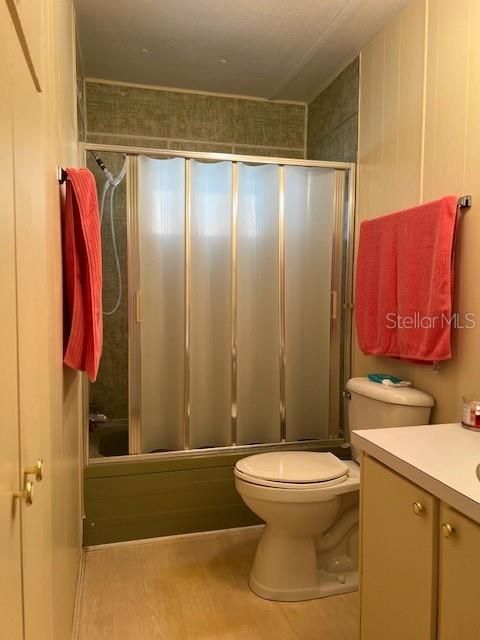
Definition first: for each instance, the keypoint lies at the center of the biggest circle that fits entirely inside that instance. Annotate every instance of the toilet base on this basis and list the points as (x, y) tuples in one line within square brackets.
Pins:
[(328, 584)]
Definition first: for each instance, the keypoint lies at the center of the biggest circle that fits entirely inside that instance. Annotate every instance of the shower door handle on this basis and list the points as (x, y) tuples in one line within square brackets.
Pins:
[(138, 306), (333, 314)]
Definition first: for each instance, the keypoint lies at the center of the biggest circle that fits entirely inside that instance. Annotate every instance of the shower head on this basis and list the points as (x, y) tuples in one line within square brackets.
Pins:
[(113, 181)]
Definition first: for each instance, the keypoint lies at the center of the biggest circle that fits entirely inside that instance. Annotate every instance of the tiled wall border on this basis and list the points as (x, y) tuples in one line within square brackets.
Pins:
[(191, 144)]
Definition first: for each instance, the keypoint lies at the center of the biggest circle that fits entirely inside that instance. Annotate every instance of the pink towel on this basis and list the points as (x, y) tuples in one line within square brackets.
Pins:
[(404, 283), (82, 265)]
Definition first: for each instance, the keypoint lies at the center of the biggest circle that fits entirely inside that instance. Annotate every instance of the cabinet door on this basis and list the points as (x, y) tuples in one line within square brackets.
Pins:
[(459, 576), (398, 557)]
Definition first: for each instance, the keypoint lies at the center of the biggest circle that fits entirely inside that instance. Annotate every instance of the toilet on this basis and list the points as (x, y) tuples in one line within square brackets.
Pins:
[(309, 501)]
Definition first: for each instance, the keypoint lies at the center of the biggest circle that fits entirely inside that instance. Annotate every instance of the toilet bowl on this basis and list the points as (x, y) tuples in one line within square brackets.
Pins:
[(309, 545), (309, 501)]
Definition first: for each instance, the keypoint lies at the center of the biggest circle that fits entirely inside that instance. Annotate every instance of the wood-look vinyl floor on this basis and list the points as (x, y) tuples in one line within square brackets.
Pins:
[(196, 588)]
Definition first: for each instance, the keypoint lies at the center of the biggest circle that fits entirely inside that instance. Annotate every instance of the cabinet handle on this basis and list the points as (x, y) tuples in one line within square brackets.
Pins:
[(418, 508), (447, 530), (26, 494), (36, 470)]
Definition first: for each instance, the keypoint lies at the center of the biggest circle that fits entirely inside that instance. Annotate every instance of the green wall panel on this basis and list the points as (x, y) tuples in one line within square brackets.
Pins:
[(136, 499), (163, 503)]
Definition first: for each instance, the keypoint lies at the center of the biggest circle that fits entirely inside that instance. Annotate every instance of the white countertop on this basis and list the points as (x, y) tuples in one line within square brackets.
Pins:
[(441, 458)]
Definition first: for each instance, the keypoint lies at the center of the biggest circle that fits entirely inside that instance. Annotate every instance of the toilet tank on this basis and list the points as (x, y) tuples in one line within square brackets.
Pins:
[(372, 405)]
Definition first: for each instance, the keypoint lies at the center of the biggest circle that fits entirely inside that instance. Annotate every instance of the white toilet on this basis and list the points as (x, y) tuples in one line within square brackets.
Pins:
[(309, 501)]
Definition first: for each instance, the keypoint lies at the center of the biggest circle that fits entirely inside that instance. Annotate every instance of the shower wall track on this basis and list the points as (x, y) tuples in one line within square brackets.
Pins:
[(341, 298)]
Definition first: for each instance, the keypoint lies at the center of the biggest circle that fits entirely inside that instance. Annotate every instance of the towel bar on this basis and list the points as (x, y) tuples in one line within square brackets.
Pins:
[(61, 175), (465, 202)]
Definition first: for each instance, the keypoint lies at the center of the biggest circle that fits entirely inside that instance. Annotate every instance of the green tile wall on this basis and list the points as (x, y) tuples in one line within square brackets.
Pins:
[(193, 121), (333, 119), (109, 394)]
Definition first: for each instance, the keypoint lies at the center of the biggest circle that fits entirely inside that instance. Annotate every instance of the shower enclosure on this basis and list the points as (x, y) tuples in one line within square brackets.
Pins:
[(239, 301)]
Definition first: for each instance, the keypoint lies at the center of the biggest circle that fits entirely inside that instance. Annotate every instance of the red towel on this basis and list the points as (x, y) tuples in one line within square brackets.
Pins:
[(404, 283), (82, 265)]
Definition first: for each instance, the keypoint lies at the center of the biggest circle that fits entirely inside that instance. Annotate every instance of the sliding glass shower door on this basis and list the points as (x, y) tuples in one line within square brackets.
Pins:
[(309, 222), (257, 305), (161, 301), (232, 292)]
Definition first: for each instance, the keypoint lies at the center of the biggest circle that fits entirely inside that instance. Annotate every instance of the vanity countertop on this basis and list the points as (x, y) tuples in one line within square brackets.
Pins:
[(441, 458)]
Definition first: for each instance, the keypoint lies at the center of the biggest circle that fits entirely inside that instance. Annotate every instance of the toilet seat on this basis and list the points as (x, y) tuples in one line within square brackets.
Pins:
[(298, 470), (298, 486)]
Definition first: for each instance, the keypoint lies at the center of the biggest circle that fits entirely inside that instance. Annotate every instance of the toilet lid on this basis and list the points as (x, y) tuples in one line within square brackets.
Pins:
[(293, 467)]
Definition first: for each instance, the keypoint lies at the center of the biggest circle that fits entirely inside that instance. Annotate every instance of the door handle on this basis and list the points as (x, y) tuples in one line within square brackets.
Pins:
[(36, 470), (26, 494), (138, 306)]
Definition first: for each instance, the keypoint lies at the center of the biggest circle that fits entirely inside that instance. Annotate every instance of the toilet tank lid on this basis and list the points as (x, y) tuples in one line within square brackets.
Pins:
[(393, 395)]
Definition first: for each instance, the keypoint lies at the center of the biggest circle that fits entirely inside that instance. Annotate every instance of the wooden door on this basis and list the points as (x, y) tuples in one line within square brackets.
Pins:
[(11, 609), (31, 228), (459, 576), (39, 542), (26, 378), (398, 557)]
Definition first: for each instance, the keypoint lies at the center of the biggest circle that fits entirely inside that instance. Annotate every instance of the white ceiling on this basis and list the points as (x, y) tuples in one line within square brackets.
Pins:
[(276, 49)]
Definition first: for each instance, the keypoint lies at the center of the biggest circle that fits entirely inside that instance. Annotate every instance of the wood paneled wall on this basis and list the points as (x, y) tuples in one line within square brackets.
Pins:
[(419, 139), (66, 400)]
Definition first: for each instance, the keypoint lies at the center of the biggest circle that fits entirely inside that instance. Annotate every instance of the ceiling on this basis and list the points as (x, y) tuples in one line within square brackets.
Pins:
[(275, 49)]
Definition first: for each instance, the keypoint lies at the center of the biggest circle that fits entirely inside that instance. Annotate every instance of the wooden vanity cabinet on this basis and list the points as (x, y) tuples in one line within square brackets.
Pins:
[(398, 557), (458, 576), (419, 562)]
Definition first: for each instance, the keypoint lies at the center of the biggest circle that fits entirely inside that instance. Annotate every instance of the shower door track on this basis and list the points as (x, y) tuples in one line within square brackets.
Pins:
[(342, 275), (217, 157), (241, 449)]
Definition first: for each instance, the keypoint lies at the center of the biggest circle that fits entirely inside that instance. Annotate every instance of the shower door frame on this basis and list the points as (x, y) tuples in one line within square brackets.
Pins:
[(341, 303)]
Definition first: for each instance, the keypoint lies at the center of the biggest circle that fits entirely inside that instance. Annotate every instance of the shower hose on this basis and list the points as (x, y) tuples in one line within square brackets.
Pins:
[(111, 183)]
